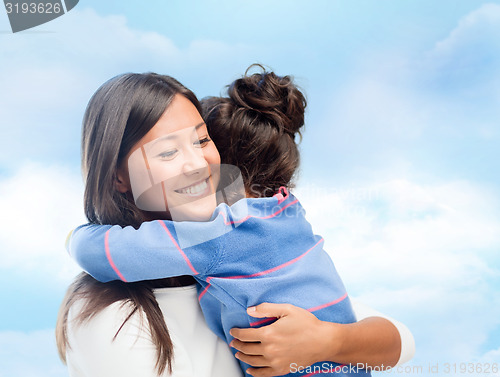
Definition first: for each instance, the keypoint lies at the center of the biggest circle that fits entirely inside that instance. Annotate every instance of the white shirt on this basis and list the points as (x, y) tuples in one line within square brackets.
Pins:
[(198, 352)]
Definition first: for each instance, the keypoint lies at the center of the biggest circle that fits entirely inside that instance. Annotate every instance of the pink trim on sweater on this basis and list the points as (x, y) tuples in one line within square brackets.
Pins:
[(280, 196), (178, 248), (328, 303), (274, 268), (262, 272), (260, 322), (313, 309), (257, 217), (337, 369), (205, 290), (110, 260), (281, 210)]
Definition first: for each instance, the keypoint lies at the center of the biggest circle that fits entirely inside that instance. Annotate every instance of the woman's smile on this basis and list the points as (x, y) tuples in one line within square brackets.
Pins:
[(200, 188)]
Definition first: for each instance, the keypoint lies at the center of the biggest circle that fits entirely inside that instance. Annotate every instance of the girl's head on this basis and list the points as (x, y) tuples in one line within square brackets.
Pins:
[(156, 118), (255, 129)]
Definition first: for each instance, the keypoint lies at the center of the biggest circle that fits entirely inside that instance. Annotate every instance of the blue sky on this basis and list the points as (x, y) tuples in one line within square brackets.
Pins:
[(399, 158)]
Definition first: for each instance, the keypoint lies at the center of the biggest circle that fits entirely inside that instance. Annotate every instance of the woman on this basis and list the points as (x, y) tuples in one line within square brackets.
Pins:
[(125, 113)]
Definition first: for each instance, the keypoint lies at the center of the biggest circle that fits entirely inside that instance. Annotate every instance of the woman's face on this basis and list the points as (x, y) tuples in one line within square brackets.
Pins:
[(174, 168)]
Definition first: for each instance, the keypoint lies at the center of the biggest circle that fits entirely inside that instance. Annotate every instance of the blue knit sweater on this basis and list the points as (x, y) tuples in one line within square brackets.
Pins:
[(257, 250)]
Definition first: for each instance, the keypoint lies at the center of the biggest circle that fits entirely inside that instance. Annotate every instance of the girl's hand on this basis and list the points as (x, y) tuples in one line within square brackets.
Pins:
[(296, 339)]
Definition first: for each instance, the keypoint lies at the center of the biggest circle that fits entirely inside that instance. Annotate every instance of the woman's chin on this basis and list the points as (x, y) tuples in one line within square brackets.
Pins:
[(196, 210)]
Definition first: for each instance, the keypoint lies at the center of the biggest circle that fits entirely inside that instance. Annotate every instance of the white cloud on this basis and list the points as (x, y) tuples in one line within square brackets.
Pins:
[(48, 78), (476, 38), (466, 65), (40, 205), (492, 356), (409, 221), (30, 355), (431, 112), (426, 254)]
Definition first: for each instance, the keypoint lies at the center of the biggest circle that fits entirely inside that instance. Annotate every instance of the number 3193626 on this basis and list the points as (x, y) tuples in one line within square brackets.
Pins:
[(39, 8)]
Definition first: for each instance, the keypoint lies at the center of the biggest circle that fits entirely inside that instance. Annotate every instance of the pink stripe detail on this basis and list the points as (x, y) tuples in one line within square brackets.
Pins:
[(205, 290), (178, 248), (224, 217), (337, 369), (328, 304), (313, 309), (281, 210), (110, 260), (280, 196), (274, 268), (236, 222), (312, 374), (203, 293), (257, 323), (257, 217)]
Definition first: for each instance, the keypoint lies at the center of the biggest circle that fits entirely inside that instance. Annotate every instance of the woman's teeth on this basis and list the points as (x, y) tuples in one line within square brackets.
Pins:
[(194, 190)]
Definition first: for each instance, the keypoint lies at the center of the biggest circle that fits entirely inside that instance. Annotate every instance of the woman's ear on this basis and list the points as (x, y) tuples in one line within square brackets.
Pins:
[(121, 182)]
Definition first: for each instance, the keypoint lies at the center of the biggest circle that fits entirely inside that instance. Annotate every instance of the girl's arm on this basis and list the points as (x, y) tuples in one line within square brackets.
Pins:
[(153, 251), (298, 338)]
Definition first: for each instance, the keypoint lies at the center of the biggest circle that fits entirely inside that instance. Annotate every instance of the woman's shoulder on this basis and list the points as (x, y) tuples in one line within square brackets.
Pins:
[(106, 345), (118, 321)]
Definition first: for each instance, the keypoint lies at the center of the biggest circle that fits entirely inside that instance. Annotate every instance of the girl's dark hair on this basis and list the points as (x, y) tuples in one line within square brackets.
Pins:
[(118, 115), (255, 127)]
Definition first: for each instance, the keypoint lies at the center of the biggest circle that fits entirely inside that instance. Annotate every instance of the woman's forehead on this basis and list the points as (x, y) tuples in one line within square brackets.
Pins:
[(180, 118), (179, 114), (177, 135)]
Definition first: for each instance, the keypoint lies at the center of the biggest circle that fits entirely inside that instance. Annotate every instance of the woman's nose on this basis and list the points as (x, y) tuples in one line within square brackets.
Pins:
[(194, 161)]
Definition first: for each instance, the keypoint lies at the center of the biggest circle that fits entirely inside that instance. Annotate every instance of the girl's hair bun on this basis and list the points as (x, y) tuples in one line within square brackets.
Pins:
[(270, 97)]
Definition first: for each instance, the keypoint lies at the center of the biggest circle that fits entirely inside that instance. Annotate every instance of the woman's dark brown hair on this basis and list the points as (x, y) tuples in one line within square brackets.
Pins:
[(118, 115), (255, 127)]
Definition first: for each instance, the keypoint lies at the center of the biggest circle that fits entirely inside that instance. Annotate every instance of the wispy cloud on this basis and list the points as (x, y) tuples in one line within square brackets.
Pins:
[(469, 56), (432, 112), (40, 205), (48, 78), (417, 233), (426, 254), (30, 355)]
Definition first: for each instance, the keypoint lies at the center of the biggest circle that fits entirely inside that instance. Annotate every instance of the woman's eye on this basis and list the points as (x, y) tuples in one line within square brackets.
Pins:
[(167, 155), (202, 142)]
